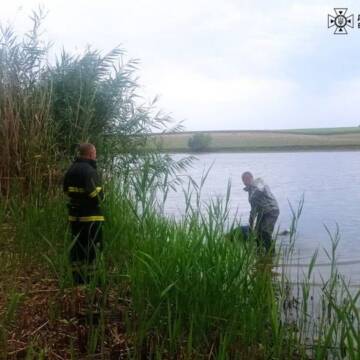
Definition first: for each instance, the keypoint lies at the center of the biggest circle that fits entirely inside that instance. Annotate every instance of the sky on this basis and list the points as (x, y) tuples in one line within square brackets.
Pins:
[(220, 64)]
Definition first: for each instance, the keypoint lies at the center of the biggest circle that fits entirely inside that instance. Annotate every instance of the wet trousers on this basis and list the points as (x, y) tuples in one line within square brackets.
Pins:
[(264, 228)]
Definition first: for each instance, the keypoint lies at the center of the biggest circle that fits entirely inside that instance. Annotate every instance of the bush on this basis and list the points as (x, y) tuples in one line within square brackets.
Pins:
[(47, 107), (199, 142)]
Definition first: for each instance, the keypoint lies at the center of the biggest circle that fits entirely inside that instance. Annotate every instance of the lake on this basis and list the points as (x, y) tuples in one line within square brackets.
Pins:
[(329, 182)]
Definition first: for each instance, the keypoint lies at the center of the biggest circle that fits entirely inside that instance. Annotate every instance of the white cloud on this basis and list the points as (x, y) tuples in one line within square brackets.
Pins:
[(207, 57), (186, 85)]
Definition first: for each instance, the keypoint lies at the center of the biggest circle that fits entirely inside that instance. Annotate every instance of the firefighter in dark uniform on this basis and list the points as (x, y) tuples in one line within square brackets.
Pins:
[(83, 186)]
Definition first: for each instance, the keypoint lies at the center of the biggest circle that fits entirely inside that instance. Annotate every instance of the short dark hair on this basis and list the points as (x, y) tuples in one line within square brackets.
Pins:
[(247, 173), (85, 149)]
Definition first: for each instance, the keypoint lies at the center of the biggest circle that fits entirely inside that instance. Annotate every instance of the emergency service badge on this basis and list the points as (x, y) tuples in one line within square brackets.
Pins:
[(340, 21)]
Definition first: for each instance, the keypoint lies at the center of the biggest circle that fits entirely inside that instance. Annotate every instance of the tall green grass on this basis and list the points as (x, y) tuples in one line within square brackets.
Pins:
[(48, 106), (180, 288), (188, 292)]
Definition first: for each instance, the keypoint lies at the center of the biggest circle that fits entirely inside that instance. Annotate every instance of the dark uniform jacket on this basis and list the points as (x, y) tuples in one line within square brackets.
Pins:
[(262, 201), (82, 185)]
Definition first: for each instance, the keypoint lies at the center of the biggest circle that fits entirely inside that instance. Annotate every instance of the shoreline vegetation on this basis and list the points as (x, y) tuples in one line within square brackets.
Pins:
[(161, 288), (326, 139)]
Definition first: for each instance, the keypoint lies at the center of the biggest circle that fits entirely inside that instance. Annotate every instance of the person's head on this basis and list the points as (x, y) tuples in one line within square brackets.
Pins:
[(247, 178), (87, 151)]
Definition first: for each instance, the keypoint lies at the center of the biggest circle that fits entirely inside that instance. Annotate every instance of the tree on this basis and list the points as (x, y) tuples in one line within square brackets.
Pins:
[(199, 142)]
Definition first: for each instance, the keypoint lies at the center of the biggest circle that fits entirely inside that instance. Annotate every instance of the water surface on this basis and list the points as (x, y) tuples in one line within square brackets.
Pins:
[(329, 182)]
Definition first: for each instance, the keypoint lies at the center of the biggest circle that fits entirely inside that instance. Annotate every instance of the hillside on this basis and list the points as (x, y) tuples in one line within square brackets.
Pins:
[(272, 140)]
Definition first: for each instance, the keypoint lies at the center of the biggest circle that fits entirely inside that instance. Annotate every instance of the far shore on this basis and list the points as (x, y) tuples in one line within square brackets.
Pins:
[(283, 149), (326, 139)]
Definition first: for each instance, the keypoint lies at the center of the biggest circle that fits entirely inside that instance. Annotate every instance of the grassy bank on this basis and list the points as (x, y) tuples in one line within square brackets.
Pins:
[(280, 140), (162, 289)]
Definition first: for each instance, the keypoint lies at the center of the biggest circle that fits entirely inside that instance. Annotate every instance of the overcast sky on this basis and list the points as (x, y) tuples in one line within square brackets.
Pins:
[(224, 64)]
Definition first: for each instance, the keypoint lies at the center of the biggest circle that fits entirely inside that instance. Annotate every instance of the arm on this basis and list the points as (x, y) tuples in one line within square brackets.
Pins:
[(255, 207), (93, 186), (252, 218), (65, 184)]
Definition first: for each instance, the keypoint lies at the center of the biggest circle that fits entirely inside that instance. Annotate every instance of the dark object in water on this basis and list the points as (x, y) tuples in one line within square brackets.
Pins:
[(238, 233), (243, 232), (284, 232)]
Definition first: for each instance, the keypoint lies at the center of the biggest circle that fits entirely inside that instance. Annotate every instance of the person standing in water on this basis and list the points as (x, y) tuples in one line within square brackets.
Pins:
[(264, 209)]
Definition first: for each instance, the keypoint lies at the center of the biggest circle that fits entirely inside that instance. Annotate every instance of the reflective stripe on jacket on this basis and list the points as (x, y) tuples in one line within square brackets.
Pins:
[(83, 186)]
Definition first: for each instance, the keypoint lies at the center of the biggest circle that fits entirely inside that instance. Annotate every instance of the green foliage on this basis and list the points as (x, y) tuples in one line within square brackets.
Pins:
[(47, 107), (190, 293), (199, 142), (95, 99)]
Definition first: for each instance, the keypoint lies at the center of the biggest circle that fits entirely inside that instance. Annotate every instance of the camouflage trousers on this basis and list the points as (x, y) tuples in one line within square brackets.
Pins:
[(264, 229)]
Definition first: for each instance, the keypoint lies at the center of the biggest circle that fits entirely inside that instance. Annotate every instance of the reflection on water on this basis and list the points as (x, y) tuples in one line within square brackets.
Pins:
[(329, 181)]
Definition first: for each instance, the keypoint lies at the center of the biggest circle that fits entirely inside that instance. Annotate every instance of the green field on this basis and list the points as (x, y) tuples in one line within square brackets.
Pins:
[(271, 140)]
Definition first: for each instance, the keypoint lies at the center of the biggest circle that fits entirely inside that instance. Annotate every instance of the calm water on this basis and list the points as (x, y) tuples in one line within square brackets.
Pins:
[(329, 181)]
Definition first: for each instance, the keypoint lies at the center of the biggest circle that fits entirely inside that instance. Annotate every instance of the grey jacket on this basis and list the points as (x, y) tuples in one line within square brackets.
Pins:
[(261, 199)]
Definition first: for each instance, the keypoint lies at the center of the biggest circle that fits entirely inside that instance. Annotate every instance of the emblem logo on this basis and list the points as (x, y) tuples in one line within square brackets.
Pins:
[(340, 21)]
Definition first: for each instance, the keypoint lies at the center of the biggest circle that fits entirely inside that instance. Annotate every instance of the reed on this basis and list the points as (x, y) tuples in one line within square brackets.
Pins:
[(47, 107), (179, 289), (162, 288)]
